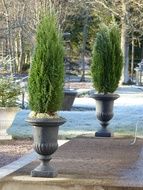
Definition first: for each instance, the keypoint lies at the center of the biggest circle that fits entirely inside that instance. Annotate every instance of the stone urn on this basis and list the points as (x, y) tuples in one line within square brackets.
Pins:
[(104, 112), (7, 115), (69, 97), (45, 144)]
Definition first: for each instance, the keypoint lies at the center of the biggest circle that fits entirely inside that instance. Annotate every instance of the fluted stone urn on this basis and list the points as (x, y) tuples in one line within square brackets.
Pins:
[(7, 116), (45, 144), (69, 97), (104, 112)]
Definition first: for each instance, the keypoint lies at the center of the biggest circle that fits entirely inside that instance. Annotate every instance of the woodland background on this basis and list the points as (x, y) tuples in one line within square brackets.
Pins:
[(80, 18)]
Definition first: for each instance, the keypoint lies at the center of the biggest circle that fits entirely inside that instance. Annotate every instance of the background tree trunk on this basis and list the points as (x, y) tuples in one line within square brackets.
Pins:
[(132, 57), (9, 42), (124, 44), (22, 51), (83, 52)]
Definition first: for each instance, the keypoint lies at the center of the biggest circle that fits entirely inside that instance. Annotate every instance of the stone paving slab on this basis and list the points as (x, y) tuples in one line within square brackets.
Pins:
[(21, 162), (91, 163)]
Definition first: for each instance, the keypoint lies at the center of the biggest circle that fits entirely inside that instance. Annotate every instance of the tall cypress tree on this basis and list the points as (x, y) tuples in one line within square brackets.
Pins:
[(107, 59), (46, 76)]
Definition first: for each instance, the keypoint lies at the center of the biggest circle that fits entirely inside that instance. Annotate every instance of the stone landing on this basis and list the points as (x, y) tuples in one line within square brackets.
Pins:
[(87, 163)]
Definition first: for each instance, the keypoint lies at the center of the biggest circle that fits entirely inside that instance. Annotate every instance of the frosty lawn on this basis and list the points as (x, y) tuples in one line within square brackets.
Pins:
[(127, 111)]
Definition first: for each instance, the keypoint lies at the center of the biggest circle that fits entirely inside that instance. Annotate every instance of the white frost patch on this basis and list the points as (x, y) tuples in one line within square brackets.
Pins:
[(128, 110)]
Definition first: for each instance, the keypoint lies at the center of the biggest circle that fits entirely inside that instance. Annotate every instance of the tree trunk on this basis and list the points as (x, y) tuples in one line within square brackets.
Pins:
[(17, 52), (84, 47), (124, 44), (9, 36), (141, 52), (22, 51), (132, 58)]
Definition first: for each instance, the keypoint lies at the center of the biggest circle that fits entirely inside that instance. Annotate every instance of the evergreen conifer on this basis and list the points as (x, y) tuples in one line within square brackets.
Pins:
[(107, 59), (46, 76)]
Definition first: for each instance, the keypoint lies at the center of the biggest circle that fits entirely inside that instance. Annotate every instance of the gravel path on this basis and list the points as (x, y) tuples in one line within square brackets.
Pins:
[(11, 150)]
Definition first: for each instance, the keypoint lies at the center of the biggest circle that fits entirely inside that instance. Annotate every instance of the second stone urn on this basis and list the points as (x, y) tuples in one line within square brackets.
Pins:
[(104, 112)]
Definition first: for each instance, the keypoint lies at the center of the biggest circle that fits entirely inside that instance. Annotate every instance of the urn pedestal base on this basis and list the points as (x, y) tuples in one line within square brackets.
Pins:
[(103, 133), (44, 169)]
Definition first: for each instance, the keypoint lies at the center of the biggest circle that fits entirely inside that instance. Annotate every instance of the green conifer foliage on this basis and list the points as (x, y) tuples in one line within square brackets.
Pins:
[(46, 76), (107, 59), (9, 92)]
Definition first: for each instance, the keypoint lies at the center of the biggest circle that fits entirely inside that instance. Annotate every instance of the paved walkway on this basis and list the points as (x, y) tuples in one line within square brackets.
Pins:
[(90, 163), (24, 160)]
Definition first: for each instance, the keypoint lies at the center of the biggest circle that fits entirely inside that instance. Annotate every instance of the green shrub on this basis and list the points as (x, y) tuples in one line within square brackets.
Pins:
[(46, 77), (107, 59), (9, 92)]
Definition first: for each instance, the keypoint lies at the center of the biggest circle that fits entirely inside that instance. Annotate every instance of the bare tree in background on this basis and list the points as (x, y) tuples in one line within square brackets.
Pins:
[(18, 19), (124, 11)]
